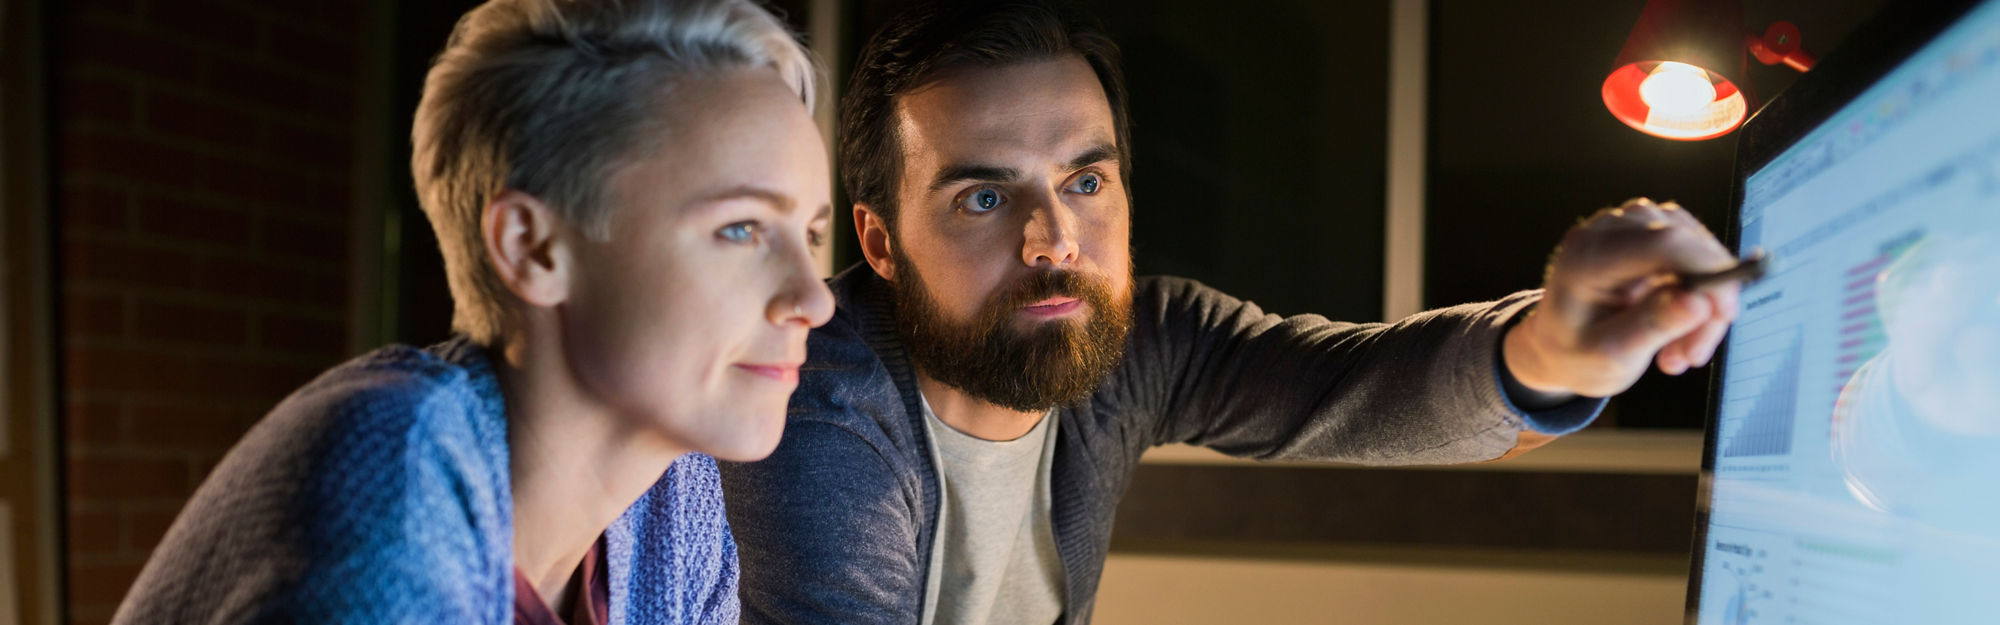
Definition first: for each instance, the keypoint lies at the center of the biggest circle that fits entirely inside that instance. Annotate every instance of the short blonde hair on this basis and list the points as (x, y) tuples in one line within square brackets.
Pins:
[(548, 97)]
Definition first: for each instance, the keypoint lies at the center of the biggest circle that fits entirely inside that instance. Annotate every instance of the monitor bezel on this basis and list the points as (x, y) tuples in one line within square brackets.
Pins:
[(1877, 47)]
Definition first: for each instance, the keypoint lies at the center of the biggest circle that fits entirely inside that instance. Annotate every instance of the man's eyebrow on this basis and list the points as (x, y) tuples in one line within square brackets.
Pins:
[(1096, 153), (957, 173)]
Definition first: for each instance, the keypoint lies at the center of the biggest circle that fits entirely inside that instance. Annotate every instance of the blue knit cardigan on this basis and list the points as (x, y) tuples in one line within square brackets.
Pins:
[(379, 493)]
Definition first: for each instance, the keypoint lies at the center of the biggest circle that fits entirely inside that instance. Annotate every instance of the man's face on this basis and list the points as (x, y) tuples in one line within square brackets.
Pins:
[(1011, 252), (691, 318)]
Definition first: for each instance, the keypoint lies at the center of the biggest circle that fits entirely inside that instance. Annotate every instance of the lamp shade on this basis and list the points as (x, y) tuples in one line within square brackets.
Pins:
[(1676, 77)]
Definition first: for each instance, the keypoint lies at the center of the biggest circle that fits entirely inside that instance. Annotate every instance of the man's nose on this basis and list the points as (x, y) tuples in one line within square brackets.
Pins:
[(1050, 234)]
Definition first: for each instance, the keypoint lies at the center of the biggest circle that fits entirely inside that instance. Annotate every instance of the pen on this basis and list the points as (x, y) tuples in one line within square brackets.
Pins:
[(1747, 271)]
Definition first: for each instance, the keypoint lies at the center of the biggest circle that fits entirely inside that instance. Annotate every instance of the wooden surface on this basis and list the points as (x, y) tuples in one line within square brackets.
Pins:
[(1600, 499)]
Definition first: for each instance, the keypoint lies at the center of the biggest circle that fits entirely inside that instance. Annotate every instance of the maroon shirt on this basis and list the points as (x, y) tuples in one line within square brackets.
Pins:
[(530, 610)]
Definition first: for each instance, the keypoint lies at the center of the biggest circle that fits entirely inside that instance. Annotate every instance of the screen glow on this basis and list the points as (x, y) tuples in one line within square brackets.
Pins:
[(1856, 464)]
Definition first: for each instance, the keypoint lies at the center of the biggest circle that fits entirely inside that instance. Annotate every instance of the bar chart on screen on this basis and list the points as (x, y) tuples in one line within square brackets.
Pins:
[(1767, 358)]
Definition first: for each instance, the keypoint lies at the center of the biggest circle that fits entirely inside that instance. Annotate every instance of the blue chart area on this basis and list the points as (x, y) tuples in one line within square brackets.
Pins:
[(1741, 572), (1762, 422)]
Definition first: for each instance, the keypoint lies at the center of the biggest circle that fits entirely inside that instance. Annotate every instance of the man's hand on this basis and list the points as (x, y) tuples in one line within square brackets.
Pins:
[(1611, 305)]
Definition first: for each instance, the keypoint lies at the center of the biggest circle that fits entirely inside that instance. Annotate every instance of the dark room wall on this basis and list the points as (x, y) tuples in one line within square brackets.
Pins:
[(1259, 140), (1521, 146), (1258, 134), (202, 159)]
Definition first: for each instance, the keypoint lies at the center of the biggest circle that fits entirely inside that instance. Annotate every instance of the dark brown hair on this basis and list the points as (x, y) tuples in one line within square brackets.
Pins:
[(923, 42)]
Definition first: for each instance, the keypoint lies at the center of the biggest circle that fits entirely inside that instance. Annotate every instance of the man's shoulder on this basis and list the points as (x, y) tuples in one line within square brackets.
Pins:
[(847, 380), (1174, 291), (843, 379), (1173, 309), (847, 405), (848, 419)]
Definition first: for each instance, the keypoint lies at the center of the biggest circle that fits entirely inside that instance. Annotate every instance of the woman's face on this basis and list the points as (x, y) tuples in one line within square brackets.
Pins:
[(690, 319)]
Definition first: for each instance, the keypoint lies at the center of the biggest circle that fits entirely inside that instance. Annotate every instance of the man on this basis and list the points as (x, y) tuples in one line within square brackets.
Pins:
[(967, 422)]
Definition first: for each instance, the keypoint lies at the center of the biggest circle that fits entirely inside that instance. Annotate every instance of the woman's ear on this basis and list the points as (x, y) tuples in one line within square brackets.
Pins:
[(875, 241), (525, 244)]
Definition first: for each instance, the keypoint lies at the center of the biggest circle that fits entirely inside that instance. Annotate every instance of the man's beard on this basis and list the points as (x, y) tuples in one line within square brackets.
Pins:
[(1053, 363)]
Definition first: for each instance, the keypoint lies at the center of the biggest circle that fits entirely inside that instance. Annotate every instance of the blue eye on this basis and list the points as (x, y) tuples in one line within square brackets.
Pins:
[(982, 200), (1087, 184), (739, 232)]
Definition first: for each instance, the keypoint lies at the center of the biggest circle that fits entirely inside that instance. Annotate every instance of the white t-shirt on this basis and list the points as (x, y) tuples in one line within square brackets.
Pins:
[(996, 560)]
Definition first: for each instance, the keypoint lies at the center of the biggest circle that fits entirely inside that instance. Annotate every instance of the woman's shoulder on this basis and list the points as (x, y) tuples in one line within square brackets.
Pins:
[(398, 388), (383, 419), (377, 480), (393, 436)]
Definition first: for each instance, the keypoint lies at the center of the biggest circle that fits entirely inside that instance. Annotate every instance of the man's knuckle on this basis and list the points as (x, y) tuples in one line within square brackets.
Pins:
[(1575, 234)]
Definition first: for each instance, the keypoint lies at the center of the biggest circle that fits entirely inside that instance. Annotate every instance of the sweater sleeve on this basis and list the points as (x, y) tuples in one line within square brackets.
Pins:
[(407, 552), (825, 532), (345, 506), (673, 559), (1216, 371)]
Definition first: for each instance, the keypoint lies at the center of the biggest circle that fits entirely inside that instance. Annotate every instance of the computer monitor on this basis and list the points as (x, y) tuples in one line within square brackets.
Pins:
[(1852, 468)]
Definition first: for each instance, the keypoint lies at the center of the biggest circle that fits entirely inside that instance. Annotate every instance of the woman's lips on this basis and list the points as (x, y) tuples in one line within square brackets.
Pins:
[(1053, 307), (779, 373)]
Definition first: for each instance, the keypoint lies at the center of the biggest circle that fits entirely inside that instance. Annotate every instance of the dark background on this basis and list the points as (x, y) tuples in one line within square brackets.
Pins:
[(229, 213), (1521, 146), (1260, 142)]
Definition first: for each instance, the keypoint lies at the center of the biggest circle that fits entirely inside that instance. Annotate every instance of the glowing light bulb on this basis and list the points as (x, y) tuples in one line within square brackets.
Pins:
[(1676, 88)]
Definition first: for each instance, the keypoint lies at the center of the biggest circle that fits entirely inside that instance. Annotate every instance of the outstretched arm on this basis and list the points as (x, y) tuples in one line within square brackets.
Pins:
[(1459, 384), (1610, 307)]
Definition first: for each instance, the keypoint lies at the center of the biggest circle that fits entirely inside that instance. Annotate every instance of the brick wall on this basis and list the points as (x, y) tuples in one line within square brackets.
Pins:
[(203, 153)]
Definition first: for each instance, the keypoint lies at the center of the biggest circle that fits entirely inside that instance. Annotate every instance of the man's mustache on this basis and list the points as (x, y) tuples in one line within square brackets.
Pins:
[(1042, 285)]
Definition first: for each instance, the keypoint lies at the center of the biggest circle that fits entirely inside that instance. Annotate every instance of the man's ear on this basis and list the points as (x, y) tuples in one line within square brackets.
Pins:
[(525, 245), (875, 241)]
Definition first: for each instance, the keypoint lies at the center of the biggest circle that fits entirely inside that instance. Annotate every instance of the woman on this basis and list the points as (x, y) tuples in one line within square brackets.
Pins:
[(626, 195)]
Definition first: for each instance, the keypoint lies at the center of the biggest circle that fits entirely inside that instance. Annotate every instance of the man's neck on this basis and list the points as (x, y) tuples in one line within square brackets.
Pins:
[(976, 417), (575, 466)]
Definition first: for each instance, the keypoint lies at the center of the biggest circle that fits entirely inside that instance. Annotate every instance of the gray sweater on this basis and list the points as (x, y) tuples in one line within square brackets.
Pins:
[(838, 525)]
